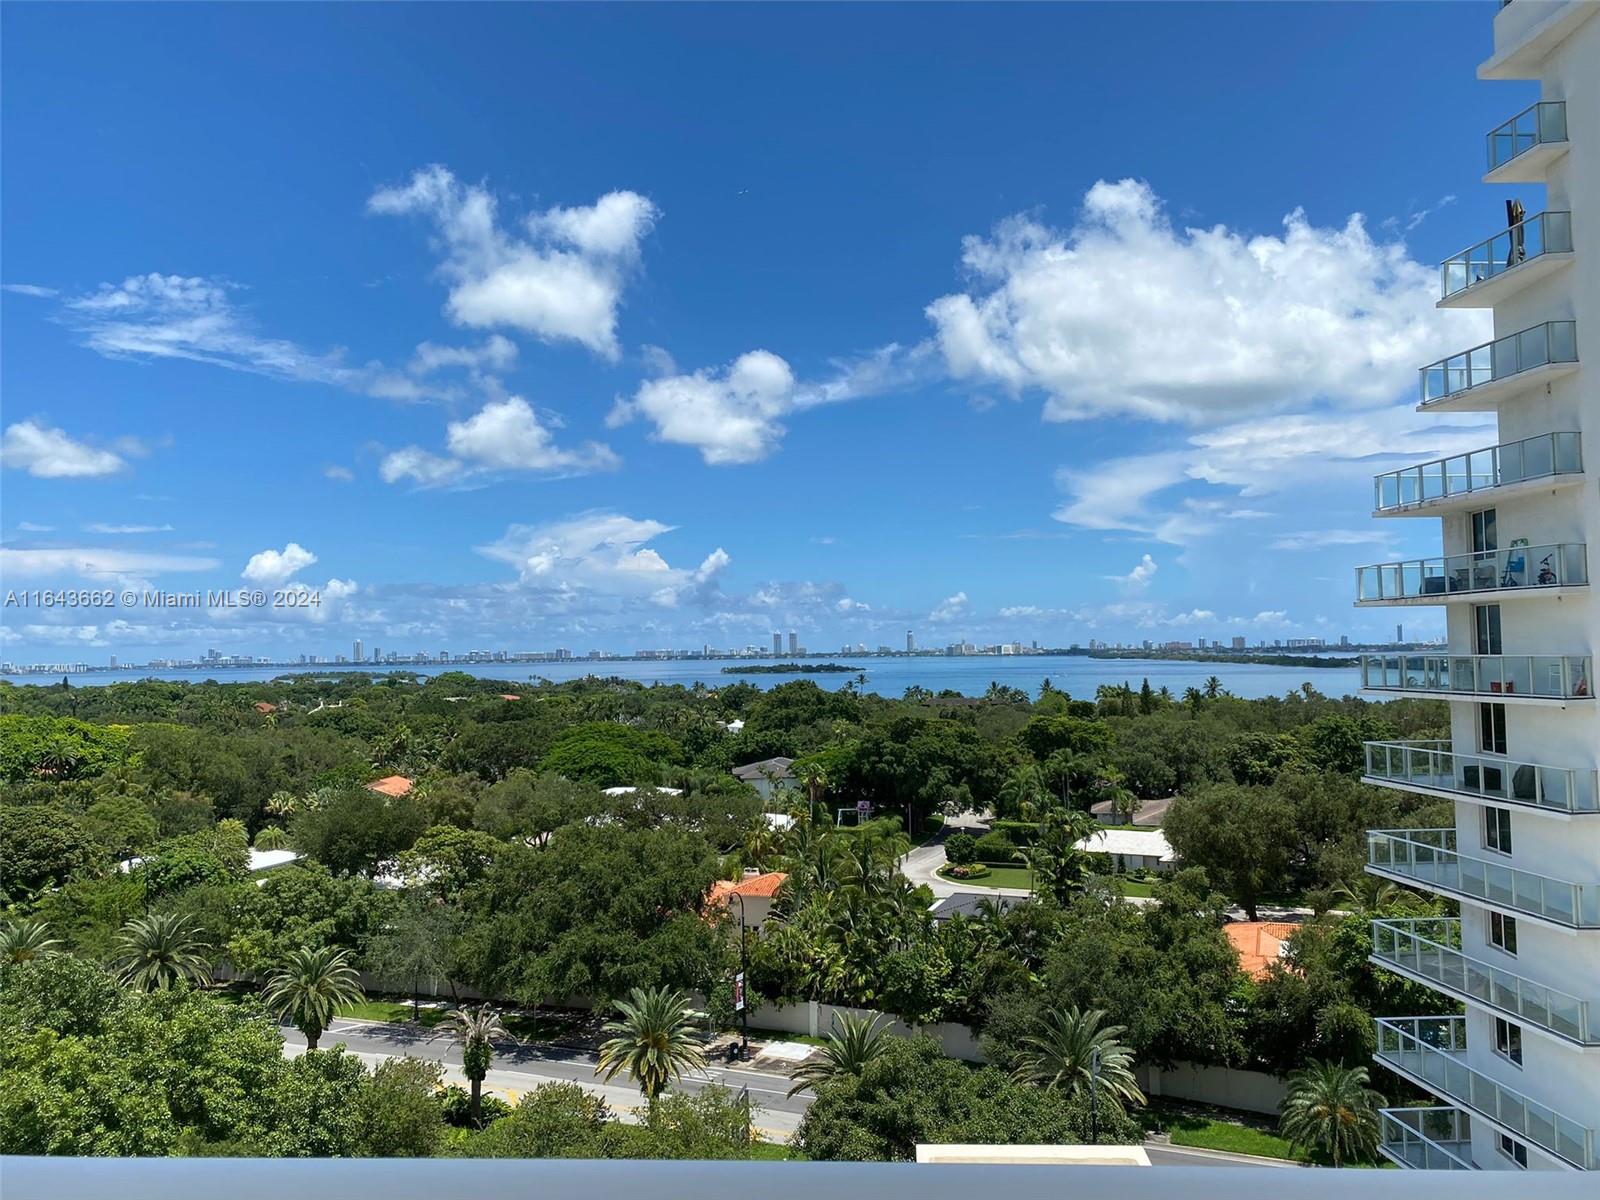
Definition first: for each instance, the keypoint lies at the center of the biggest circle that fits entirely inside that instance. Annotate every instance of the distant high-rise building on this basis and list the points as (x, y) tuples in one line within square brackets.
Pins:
[(377, 654), (113, 662), (355, 654), (794, 642), (1399, 633), (911, 642), (1238, 643), (777, 643)]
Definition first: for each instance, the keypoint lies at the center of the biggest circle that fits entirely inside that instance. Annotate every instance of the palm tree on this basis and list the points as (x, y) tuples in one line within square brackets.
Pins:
[(27, 940), (815, 777), (1369, 894), (474, 1030), (310, 986), (852, 1043), (272, 837), (1064, 1051), (1330, 1108), (160, 951), (654, 1040), (1213, 687)]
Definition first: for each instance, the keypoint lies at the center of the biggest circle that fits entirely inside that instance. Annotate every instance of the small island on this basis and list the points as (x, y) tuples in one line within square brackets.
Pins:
[(792, 668)]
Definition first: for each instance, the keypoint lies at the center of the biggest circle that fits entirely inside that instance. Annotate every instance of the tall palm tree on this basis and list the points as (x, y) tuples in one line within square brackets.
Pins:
[(653, 1041), (27, 940), (272, 837), (1063, 1053), (815, 777), (160, 951), (310, 986), (852, 1043), (1213, 687), (1330, 1108), (474, 1030)]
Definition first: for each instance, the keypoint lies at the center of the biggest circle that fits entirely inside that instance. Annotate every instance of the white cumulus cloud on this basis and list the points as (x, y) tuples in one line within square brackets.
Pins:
[(276, 566), (561, 280), (49, 453), (1123, 313), (505, 435)]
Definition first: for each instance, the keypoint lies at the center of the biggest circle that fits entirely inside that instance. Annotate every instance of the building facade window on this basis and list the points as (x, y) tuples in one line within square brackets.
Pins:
[(1484, 537), (1492, 728), (1503, 932), (1486, 623), (1508, 1040), (1497, 829), (1513, 1149)]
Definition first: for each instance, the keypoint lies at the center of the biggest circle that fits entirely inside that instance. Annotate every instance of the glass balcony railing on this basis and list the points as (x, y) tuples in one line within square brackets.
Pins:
[(1565, 565), (1552, 342), (1536, 125), (1543, 233), (1485, 776), (1540, 676), (1428, 859), (1431, 1050), (1427, 1139), (1538, 457), (1429, 948)]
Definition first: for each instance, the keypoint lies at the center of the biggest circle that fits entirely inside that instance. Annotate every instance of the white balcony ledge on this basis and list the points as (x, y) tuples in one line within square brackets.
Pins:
[(1524, 35), (1487, 397), (1433, 768), (1497, 289), (1431, 1053), (1427, 859), (1427, 950), (1427, 1139)]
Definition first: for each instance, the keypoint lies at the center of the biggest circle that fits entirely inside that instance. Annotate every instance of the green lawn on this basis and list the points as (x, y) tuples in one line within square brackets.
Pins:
[(774, 1152), (1209, 1133), (389, 1010), (998, 877), (1137, 887)]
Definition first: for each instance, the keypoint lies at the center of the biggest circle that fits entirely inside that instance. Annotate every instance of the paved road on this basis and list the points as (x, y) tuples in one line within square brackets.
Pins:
[(1164, 1154), (922, 864), (520, 1068)]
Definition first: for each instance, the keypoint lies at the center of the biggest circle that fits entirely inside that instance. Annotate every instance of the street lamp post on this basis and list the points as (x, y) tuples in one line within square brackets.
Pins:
[(744, 984), (1094, 1095)]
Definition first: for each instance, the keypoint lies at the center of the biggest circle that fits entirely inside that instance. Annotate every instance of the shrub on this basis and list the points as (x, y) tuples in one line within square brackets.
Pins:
[(1020, 833), (996, 848), (961, 849), (458, 1107), (968, 871)]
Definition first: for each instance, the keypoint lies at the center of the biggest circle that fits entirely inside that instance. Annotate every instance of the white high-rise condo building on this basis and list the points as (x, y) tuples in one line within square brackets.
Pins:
[(1517, 1076)]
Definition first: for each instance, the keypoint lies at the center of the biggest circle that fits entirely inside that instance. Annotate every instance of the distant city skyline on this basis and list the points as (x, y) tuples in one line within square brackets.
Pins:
[(859, 353)]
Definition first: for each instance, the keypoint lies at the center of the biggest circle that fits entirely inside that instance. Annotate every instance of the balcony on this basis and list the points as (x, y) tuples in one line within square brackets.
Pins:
[(1427, 858), (1428, 951), (1520, 569), (1431, 1052), (1476, 380), (1547, 461), (1484, 275), (1549, 679), (1521, 150), (1427, 1139), (1434, 767)]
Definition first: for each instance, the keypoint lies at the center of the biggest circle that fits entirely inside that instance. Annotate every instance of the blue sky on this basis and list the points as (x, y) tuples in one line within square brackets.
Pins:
[(526, 327)]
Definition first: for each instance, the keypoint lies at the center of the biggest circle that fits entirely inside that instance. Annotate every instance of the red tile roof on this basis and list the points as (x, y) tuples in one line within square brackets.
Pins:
[(392, 785), (762, 886), (1258, 943), (265, 706), (508, 696)]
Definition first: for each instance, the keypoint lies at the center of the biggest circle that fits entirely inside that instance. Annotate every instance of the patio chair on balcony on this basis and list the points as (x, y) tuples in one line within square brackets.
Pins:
[(1525, 783)]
